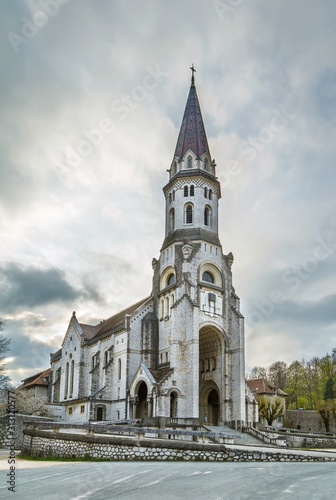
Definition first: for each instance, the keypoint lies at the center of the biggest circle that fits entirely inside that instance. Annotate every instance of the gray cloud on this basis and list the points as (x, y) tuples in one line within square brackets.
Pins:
[(31, 287)]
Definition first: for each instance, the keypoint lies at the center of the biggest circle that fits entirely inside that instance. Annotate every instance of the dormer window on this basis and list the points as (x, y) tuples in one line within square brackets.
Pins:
[(206, 276), (192, 190), (189, 162), (171, 279), (185, 191)]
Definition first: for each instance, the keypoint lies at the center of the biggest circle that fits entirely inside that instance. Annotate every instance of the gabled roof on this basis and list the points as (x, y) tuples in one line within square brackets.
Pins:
[(192, 133), (40, 378), (113, 322), (160, 373), (262, 386)]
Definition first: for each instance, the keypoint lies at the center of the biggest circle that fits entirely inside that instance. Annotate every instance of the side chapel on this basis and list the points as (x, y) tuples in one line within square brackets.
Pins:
[(178, 354)]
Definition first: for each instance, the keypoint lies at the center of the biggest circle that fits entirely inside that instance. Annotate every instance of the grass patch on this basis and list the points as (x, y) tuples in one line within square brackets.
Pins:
[(86, 458)]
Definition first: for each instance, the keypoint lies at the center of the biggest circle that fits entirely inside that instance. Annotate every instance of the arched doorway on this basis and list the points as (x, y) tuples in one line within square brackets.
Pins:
[(173, 405), (213, 407), (100, 413), (211, 369), (141, 409)]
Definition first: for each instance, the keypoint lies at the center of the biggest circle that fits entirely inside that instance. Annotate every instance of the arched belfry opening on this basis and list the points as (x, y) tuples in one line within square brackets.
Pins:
[(211, 375), (141, 409)]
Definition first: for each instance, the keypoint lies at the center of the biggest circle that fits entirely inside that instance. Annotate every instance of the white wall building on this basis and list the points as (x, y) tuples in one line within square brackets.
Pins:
[(178, 354)]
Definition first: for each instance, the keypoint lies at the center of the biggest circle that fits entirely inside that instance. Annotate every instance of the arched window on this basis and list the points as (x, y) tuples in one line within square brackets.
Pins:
[(106, 358), (185, 191), (189, 214), (167, 306), (207, 216), (192, 190), (205, 192), (174, 195), (162, 308), (206, 276), (205, 164), (66, 380), (119, 369), (172, 220), (210, 194), (72, 373), (189, 162), (92, 362), (171, 279), (170, 197), (172, 299)]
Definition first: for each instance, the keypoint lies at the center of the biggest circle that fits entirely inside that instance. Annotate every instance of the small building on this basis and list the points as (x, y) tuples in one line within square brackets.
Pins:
[(261, 387)]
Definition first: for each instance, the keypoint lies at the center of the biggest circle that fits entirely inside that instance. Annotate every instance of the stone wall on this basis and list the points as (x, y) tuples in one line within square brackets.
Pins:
[(19, 427), (44, 443), (306, 420), (306, 441)]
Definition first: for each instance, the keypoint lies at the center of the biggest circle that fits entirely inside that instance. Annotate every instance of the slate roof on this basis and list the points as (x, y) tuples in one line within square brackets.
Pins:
[(111, 323), (262, 386), (40, 378), (192, 133)]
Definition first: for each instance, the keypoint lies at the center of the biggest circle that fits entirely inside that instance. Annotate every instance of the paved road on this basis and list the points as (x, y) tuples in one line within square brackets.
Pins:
[(172, 481)]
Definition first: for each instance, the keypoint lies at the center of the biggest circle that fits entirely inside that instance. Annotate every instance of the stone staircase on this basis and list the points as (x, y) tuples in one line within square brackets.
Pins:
[(242, 438)]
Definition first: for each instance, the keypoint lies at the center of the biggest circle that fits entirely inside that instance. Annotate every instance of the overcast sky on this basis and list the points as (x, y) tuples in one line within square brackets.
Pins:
[(92, 97)]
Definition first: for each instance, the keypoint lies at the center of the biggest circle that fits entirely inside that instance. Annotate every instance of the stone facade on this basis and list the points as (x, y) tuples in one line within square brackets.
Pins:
[(178, 354)]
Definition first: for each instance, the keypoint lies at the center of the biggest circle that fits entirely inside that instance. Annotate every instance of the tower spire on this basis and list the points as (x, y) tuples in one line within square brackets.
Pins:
[(192, 132)]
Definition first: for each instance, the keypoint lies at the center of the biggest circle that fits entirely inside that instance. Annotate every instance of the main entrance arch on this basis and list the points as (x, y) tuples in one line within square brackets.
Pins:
[(211, 368)]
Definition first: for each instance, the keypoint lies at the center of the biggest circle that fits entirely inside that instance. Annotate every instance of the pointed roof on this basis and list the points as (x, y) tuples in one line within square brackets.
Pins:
[(192, 133)]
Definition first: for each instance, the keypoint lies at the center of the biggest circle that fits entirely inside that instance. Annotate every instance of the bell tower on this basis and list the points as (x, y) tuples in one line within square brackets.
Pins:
[(200, 330), (193, 190)]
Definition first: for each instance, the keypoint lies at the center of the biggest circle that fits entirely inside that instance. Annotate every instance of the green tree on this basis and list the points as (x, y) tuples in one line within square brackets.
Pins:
[(326, 409), (294, 384), (270, 409), (329, 392)]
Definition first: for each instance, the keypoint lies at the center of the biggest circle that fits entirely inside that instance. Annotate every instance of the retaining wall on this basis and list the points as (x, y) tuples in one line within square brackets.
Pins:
[(56, 444)]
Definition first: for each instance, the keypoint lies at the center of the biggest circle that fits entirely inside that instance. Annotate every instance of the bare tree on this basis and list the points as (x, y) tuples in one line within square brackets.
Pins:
[(277, 374), (257, 372), (4, 348)]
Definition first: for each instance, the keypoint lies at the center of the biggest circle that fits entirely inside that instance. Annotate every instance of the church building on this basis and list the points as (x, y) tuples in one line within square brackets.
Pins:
[(177, 356)]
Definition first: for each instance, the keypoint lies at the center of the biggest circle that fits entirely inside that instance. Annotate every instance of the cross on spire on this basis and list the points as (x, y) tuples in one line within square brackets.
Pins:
[(192, 74)]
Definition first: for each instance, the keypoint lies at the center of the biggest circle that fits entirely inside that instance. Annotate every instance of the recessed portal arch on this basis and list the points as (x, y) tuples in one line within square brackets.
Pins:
[(211, 375)]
